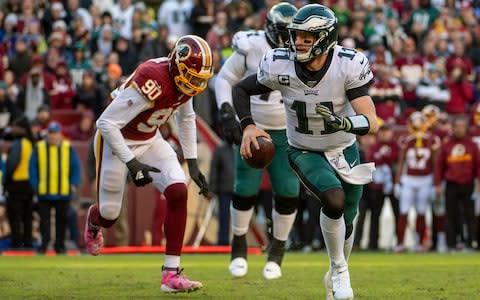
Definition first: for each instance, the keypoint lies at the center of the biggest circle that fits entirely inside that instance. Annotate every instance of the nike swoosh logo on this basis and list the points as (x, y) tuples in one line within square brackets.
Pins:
[(353, 163), (363, 59)]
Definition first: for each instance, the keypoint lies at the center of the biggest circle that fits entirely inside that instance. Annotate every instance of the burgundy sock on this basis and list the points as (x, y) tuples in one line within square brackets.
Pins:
[(402, 225), (440, 223), (176, 217), (96, 219), (420, 226)]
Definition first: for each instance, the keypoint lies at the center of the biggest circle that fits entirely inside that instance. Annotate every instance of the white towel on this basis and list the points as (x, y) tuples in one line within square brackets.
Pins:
[(359, 175)]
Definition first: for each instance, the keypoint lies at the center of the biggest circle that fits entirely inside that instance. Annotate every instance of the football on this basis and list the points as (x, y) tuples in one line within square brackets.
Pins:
[(263, 156)]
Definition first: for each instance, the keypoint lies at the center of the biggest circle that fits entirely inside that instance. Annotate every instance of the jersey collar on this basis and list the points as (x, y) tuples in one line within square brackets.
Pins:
[(310, 78)]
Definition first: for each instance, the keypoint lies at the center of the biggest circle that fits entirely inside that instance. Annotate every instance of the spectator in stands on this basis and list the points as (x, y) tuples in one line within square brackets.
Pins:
[(458, 59), (34, 94), (202, 17), (36, 37), (461, 90), (17, 186), (128, 59), (13, 88), (103, 43), (386, 93), (422, 18), (410, 70), (156, 47), (99, 68), (82, 131), (55, 13), (432, 88), (41, 121), (46, 76), (218, 29), (8, 109), (63, 88), (80, 63), (114, 75), (175, 14), (221, 184), (122, 13), (378, 54), (89, 95), (19, 63), (55, 179), (458, 164)]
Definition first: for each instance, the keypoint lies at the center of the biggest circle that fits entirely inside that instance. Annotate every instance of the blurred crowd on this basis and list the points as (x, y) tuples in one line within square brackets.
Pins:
[(69, 55)]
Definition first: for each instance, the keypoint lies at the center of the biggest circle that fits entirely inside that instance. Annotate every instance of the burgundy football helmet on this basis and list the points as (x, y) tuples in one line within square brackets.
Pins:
[(190, 63)]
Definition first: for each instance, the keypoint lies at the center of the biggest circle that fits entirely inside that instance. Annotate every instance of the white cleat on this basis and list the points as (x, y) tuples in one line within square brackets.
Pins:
[(272, 270), (341, 284), (327, 281), (238, 267)]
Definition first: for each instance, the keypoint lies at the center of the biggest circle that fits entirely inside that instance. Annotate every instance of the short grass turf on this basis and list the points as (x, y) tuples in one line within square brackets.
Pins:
[(373, 276)]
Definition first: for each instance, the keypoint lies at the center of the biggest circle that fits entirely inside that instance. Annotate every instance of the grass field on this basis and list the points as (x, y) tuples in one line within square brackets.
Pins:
[(374, 276)]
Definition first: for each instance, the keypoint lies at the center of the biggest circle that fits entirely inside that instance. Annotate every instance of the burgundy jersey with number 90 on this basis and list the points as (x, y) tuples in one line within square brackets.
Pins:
[(152, 80)]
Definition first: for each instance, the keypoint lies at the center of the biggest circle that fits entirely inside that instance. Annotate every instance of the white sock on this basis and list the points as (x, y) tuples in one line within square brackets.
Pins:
[(333, 231), (347, 247), (240, 220), (172, 261), (282, 224), (441, 239)]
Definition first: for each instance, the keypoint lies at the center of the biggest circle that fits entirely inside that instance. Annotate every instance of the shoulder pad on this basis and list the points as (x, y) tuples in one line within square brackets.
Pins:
[(244, 41)]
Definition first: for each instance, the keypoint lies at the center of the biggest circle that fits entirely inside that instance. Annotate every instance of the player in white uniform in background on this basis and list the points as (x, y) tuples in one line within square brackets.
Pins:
[(269, 114), (128, 142), (325, 93)]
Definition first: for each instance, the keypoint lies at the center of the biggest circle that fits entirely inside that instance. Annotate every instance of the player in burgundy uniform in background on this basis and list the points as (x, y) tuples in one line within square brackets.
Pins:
[(433, 115), (474, 133), (415, 174), (384, 153), (128, 141), (458, 164)]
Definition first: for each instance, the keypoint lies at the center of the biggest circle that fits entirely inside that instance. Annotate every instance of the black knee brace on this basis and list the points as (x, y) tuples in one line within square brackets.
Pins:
[(285, 205), (243, 203), (333, 203)]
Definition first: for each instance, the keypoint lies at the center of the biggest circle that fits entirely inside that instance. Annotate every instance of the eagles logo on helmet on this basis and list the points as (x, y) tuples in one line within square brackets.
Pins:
[(319, 21), (190, 64), (278, 18)]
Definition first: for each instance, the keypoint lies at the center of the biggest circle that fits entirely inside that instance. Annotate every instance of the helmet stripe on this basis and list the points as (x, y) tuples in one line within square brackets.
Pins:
[(207, 55)]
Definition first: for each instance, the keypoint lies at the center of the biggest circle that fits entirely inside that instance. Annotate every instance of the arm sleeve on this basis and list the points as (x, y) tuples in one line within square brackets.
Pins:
[(118, 114), (75, 171), (231, 73), (241, 97), (187, 130)]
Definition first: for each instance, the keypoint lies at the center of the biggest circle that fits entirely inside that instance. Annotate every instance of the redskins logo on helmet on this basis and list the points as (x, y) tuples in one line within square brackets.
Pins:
[(417, 123), (476, 114), (191, 64), (432, 113)]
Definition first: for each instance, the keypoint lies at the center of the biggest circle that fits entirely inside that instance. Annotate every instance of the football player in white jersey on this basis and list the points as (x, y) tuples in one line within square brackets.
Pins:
[(269, 114), (325, 92)]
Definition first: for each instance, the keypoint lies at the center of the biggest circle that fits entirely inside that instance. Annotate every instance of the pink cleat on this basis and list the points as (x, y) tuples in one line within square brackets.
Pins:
[(93, 236), (174, 282)]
